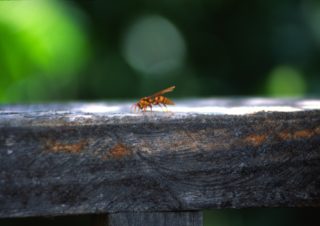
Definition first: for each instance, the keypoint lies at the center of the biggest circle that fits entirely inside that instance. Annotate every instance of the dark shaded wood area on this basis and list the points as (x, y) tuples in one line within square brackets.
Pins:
[(100, 158)]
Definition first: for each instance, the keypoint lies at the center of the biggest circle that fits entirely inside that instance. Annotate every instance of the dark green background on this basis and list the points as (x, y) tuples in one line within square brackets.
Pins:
[(77, 50), (106, 50)]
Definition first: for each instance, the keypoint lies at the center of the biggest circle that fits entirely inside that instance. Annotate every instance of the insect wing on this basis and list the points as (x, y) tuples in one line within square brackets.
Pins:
[(167, 90)]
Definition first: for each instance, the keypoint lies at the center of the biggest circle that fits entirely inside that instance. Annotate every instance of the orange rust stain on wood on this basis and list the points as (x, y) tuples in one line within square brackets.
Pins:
[(118, 151), (255, 139), (73, 148), (285, 135), (303, 134), (300, 134)]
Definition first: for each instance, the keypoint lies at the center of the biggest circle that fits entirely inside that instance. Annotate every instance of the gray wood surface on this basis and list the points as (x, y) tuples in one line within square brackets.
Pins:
[(156, 219), (81, 158)]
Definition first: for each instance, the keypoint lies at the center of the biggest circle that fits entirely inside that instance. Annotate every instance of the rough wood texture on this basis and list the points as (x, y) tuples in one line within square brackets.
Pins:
[(156, 219), (97, 158)]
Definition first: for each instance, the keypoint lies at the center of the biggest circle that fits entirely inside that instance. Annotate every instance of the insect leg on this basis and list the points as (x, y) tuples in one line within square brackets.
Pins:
[(165, 107), (161, 107), (136, 108), (132, 108)]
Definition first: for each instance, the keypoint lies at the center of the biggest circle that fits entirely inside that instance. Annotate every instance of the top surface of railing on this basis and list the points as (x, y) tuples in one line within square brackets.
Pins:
[(79, 158), (121, 112)]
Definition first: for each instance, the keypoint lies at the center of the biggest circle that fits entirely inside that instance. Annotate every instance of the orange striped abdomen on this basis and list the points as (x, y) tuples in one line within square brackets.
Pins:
[(162, 100)]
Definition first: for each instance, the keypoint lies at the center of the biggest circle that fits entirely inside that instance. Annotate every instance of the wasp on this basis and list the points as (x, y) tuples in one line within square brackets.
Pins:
[(154, 99)]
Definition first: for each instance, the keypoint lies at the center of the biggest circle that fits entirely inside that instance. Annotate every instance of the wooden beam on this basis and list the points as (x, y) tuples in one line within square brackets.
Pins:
[(156, 219), (100, 158)]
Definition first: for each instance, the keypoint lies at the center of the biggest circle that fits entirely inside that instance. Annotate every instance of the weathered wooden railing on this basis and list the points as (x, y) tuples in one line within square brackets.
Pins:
[(158, 168)]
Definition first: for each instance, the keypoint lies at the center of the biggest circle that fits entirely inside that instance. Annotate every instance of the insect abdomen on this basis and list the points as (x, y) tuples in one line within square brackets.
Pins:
[(163, 100)]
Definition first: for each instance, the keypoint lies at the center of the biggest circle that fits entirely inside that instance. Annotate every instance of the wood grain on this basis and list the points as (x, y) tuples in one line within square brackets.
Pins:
[(100, 158), (156, 219)]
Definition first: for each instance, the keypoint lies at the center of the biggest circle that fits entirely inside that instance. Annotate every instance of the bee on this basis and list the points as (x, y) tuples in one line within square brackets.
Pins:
[(154, 99)]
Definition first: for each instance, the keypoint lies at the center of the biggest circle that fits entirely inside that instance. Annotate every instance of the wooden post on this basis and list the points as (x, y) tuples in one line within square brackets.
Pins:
[(60, 159), (156, 219)]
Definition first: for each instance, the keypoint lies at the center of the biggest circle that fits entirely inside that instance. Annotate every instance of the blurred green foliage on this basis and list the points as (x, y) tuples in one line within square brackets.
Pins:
[(42, 47), (89, 50)]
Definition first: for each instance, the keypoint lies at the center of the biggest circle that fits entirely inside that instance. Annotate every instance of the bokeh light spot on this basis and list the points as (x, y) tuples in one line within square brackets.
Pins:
[(286, 81), (154, 46)]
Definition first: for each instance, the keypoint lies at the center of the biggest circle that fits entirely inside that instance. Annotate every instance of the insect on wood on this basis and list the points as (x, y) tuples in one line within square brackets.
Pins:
[(153, 100)]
